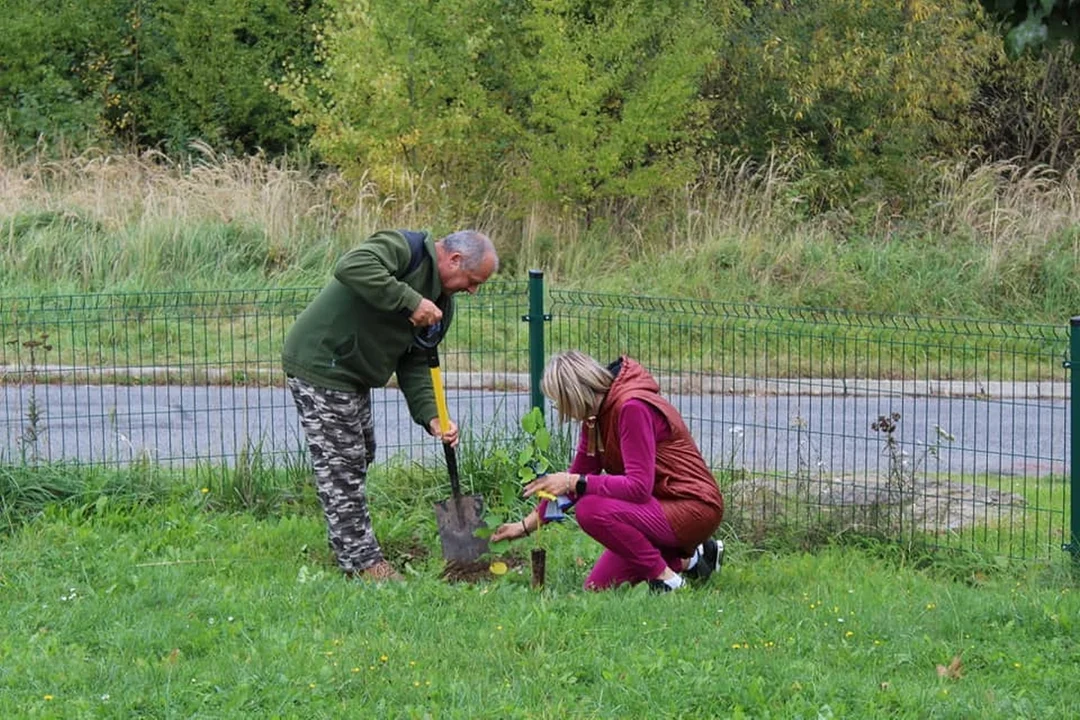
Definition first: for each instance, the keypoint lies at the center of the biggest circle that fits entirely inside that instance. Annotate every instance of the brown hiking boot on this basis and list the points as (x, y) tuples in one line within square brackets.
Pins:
[(381, 571)]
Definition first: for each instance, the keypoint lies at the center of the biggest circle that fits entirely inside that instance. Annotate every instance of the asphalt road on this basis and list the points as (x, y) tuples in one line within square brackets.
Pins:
[(827, 434)]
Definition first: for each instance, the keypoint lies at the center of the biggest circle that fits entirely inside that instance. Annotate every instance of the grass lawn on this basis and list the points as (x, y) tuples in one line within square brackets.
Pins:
[(169, 611)]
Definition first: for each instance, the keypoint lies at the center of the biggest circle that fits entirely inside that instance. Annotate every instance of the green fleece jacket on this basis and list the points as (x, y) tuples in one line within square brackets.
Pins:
[(356, 332)]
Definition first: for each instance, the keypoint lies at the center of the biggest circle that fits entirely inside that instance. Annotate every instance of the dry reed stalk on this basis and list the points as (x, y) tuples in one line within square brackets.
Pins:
[(1010, 210)]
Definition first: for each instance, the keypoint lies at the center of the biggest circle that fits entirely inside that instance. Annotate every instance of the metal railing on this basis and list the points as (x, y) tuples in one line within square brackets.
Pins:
[(947, 432)]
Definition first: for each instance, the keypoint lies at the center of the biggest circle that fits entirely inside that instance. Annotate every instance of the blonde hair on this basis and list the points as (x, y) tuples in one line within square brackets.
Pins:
[(576, 383)]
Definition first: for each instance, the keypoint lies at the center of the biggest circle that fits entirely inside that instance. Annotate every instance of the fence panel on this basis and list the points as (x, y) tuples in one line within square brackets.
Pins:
[(181, 379), (948, 432), (952, 433)]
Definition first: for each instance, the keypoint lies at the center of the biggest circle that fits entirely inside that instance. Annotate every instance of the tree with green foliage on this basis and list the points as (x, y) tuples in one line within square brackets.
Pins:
[(612, 107), (211, 64), (400, 86), (57, 68), (571, 100), (854, 93), (156, 73)]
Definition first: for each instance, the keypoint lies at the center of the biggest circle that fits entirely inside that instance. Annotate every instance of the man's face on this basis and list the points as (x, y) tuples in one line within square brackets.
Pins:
[(455, 278)]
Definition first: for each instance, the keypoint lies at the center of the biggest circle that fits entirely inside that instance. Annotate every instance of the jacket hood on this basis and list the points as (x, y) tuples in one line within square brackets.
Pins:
[(630, 378)]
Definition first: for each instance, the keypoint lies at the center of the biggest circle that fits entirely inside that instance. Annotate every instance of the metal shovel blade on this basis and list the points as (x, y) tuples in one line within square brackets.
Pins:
[(458, 518)]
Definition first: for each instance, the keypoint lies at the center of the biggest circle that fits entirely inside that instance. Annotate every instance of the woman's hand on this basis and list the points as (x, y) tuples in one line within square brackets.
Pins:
[(558, 483), (509, 531)]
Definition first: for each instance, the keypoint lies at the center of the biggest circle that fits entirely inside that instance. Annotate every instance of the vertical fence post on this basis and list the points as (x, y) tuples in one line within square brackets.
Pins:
[(536, 319), (1073, 546)]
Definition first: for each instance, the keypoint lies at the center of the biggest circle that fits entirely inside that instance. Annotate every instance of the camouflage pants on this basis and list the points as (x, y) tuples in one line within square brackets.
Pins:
[(341, 439)]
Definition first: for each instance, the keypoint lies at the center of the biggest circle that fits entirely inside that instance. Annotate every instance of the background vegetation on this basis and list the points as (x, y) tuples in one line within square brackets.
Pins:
[(997, 242), (151, 73), (916, 156), (565, 102), (801, 153)]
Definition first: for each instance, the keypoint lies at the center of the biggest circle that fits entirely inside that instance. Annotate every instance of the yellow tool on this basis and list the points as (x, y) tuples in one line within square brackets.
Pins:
[(459, 516)]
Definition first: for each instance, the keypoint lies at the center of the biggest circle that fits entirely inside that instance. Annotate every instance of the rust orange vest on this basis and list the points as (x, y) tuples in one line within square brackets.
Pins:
[(685, 487)]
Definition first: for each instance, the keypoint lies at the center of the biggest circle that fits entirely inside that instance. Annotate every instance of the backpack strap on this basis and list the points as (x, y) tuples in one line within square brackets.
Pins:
[(416, 249), (430, 337)]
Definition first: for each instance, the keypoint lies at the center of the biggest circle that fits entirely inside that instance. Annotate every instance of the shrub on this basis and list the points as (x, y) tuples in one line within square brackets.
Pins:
[(400, 86), (1028, 110), (574, 99), (856, 91), (56, 76), (152, 73), (612, 104), (207, 71)]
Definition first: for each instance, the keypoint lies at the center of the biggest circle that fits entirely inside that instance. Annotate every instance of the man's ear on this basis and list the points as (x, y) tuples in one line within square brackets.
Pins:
[(454, 260)]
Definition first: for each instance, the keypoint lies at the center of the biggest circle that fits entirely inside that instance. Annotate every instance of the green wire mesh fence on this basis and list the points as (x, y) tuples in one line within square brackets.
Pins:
[(951, 433), (187, 379)]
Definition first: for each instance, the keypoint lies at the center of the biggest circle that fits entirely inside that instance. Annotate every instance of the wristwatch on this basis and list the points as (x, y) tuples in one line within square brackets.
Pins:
[(582, 485)]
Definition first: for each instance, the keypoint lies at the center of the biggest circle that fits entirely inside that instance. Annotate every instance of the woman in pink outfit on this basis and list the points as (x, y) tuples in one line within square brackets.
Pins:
[(638, 481)]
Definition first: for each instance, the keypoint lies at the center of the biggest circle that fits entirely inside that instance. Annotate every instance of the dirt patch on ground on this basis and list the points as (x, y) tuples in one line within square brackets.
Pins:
[(474, 572), (921, 504)]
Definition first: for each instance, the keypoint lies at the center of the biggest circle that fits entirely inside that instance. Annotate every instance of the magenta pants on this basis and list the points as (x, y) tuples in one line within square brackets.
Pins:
[(637, 538)]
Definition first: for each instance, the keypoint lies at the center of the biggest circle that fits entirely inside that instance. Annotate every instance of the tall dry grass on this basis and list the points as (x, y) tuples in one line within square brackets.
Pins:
[(1007, 208), (983, 240), (132, 191)]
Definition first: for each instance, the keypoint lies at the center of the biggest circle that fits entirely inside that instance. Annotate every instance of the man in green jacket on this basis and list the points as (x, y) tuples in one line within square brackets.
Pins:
[(395, 287)]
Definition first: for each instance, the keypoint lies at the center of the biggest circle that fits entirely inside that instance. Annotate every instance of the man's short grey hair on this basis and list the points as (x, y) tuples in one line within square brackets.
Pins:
[(474, 246)]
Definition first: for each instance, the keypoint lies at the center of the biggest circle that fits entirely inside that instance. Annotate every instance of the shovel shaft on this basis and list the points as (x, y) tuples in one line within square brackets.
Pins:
[(444, 419), (451, 468)]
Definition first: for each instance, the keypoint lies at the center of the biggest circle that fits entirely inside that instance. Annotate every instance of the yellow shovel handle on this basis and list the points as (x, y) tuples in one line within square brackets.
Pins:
[(440, 399)]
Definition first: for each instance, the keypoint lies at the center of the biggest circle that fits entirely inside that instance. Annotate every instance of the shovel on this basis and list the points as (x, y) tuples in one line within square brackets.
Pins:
[(459, 516)]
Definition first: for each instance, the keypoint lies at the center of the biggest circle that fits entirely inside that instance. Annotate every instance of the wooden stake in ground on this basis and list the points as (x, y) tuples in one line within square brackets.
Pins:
[(539, 566)]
